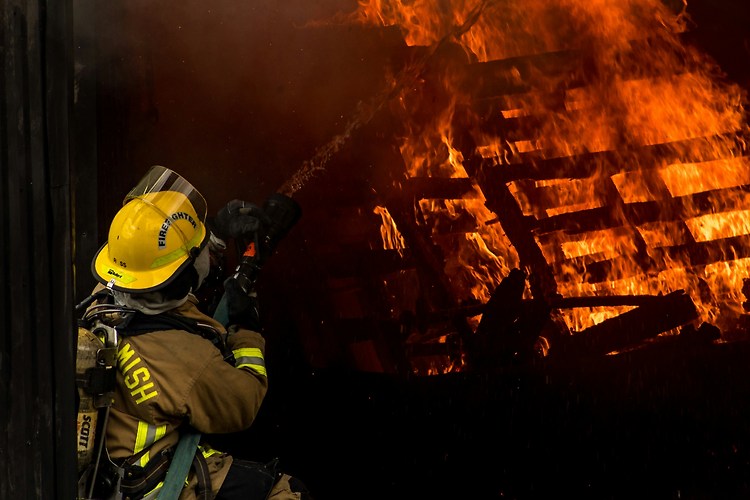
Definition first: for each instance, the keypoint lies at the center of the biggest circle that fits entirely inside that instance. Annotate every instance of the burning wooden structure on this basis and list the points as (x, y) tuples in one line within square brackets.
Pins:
[(606, 159)]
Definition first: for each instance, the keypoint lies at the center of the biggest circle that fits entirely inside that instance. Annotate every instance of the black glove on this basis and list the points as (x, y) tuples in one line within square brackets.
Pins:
[(242, 308), (239, 219)]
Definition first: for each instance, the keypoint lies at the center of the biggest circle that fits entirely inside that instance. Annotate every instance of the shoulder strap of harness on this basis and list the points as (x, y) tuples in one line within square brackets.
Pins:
[(139, 323)]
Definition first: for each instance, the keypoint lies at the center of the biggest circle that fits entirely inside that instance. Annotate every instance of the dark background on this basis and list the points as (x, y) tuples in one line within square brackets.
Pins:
[(236, 96)]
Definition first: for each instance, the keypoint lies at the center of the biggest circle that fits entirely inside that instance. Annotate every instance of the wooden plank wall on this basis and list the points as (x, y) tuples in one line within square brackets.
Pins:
[(37, 398)]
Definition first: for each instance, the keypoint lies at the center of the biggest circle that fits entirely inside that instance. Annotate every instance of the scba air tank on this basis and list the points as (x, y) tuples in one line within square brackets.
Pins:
[(89, 346)]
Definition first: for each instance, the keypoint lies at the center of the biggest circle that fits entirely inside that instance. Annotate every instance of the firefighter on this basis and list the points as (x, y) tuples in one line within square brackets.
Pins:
[(177, 368)]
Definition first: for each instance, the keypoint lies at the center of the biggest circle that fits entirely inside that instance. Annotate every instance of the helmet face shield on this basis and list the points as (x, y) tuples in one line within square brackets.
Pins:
[(154, 236), (159, 179)]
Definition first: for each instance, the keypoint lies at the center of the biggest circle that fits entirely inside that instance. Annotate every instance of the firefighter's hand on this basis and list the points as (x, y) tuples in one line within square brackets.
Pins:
[(242, 307), (239, 219)]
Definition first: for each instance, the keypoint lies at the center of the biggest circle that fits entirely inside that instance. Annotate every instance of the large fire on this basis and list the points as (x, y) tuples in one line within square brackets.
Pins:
[(619, 143)]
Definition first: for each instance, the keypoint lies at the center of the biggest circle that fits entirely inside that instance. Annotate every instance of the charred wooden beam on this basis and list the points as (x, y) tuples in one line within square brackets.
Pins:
[(524, 128), (671, 209), (621, 267), (427, 257), (568, 195), (553, 303), (517, 75), (647, 321), (447, 225), (593, 271), (594, 219), (566, 68), (617, 204), (565, 196), (706, 252), (698, 149), (689, 255), (500, 200), (605, 301), (590, 219), (516, 226), (439, 187), (691, 205), (509, 327)]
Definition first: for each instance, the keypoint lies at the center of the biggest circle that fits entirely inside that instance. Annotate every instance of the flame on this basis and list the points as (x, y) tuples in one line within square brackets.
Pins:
[(392, 237), (715, 226), (650, 122), (691, 178)]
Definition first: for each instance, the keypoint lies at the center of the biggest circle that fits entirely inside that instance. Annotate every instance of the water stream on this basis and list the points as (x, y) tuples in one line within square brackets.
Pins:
[(366, 111)]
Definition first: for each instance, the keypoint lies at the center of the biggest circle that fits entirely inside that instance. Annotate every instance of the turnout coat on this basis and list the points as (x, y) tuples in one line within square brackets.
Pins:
[(169, 377)]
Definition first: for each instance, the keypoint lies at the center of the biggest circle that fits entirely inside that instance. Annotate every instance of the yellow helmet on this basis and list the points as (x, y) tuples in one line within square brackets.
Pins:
[(155, 235)]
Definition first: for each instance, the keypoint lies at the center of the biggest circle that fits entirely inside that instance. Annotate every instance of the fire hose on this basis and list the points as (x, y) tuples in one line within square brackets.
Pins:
[(283, 213)]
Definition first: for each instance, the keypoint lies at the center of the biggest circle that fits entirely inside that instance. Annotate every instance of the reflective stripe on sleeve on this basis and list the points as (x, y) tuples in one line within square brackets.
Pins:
[(152, 495), (207, 451), (250, 357), (146, 436)]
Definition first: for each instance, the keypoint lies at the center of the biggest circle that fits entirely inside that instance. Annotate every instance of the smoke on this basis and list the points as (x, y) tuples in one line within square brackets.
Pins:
[(234, 95)]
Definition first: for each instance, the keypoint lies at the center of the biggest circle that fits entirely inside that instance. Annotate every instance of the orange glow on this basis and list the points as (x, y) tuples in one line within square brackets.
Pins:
[(714, 226), (690, 178), (392, 238), (602, 83)]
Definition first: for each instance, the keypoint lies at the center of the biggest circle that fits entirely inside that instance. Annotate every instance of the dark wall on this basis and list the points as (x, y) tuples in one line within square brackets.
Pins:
[(722, 29), (235, 96), (37, 450)]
